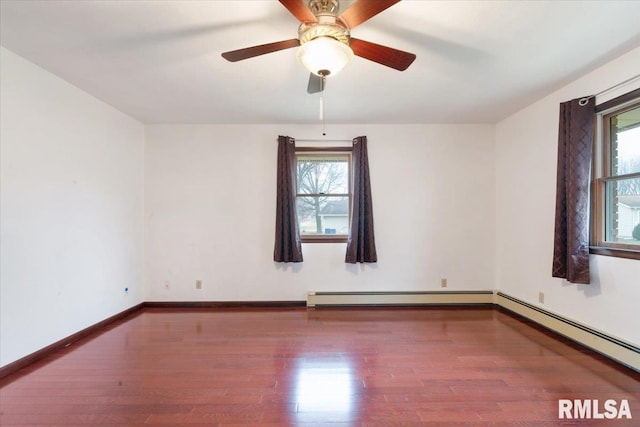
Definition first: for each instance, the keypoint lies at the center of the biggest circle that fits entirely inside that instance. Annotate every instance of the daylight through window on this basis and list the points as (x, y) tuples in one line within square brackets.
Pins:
[(617, 178), (323, 198)]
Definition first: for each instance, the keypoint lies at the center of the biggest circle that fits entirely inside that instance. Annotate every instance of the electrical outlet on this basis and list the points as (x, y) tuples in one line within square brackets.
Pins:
[(166, 284), (541, 297), (443, 282), (198, 284)]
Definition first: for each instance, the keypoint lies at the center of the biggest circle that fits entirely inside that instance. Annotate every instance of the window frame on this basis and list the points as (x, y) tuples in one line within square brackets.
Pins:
[(328, 238), (601, 175)]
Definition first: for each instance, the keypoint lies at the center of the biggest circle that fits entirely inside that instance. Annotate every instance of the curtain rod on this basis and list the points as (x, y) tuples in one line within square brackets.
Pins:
[(584, 101), (323, 140)]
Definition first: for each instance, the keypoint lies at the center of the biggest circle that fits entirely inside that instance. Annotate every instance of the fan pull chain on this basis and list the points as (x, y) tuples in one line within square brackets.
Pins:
[(322, 105), (322, 113)]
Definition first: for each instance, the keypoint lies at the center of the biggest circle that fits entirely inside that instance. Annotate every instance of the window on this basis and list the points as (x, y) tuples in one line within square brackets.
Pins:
[(323, 197), (616, 188)]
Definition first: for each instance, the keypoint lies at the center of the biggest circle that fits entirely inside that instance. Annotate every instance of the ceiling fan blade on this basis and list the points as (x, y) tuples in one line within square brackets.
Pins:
[(363, 10), (299, 10), (316, 83), (250, 52), (384, 55)]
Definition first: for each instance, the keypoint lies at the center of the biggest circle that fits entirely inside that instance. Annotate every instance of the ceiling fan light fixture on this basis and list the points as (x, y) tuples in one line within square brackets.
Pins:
[(324, 56)]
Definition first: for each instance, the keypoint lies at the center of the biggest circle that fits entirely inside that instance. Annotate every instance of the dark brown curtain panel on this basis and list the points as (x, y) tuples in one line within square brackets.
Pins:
[(361, 245), (287, 246), (575, 145)]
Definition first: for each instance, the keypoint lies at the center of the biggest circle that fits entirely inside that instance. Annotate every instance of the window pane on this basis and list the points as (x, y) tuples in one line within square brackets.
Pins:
[(625, 142), (623, 211), (323, 215), (324, 174)]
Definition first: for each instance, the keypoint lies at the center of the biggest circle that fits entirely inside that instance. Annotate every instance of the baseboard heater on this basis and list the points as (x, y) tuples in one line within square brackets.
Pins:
[(605, 344), (410, 298)]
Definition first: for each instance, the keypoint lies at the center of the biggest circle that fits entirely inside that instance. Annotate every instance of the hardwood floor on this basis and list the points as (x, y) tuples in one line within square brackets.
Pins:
[(334, 367)]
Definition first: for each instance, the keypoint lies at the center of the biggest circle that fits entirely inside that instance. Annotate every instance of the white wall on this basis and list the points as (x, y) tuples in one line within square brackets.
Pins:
[(72, 212), (71, 209), (210, 212), (526, 155)]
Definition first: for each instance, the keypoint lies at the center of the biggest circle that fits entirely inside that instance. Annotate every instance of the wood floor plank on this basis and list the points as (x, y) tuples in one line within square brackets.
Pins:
[(327, 367)]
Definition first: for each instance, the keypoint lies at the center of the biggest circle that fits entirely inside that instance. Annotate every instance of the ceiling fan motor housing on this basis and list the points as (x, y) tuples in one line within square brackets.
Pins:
[(324, 6), (328, 24)]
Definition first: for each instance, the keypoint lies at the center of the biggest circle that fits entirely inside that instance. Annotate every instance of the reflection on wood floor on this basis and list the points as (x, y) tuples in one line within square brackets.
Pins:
[(293, 366)]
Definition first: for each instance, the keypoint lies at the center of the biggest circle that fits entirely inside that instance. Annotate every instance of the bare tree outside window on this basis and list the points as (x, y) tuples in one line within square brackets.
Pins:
[(628, 160), (323, 193)]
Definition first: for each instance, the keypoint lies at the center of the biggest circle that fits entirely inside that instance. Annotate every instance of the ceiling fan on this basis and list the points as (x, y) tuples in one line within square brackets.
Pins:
[(325, 42)]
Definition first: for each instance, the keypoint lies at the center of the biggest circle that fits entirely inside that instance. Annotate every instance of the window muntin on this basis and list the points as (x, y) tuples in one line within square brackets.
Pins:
[(616, 197), (323, 199)]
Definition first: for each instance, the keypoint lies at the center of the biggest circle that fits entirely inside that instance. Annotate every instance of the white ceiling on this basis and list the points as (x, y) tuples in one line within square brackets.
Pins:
[(159, 61)]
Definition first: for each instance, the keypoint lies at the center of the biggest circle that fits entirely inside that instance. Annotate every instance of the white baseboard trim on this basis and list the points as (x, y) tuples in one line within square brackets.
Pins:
[(315, 299), (611, 347)]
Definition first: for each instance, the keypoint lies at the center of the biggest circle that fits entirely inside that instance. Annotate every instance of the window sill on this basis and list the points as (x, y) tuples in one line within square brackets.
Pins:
[(324, 239), (615, 252)]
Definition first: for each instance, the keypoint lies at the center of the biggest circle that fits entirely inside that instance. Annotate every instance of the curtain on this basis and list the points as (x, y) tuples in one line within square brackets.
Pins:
[(287, 247), (575, 145), (361, 245)]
